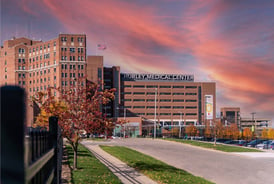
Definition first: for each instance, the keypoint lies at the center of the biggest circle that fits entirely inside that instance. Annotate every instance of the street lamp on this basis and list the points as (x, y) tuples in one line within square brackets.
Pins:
[(155, 104), (180, 131), (254, 121)]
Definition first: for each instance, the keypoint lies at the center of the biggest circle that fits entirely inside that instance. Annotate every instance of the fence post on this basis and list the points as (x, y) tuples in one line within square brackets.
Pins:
[(12, 134), (53, 129)]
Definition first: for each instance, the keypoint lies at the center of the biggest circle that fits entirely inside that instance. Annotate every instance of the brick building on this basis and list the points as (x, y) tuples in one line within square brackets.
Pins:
[(36, 65)]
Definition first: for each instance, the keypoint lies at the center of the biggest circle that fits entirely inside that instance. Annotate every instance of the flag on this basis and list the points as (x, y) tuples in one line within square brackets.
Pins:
[(101, 47)]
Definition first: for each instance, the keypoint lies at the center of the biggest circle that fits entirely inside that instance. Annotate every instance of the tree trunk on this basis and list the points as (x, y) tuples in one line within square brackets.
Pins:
[(215, 139), (75, 158)]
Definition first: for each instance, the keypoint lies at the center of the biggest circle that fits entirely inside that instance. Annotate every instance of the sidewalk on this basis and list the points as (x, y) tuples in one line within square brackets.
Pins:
[(125, 173)]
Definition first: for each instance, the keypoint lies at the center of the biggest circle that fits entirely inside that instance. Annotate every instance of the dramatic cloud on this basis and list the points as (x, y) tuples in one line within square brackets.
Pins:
[(229, 42)]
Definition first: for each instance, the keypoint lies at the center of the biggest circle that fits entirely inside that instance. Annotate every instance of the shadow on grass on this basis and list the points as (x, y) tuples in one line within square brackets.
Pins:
[(158, 168)]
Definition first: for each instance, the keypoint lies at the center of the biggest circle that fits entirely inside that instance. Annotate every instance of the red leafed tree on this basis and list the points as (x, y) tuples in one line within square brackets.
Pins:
[(81, 112)]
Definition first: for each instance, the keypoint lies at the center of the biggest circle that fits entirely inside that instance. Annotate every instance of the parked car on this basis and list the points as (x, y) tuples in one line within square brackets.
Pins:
[(222, 140), (239, 142), (264, 145), (271, 146), (255, 142), (228, 142)]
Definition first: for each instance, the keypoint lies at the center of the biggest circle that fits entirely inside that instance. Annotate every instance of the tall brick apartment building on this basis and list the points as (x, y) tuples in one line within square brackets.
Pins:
[(36, 65)]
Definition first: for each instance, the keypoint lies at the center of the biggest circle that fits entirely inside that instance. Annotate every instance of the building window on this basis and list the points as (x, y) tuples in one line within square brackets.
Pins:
[(72, 50), (191, 87), (189, 100), (138, 100), (165, 114), (164, 93), (165, 86), (138, 107), (178, 93), (6, 76), (165, 100), (151, 100), (138, 86), (165, 107), (54, 70), (191, 93), (191, 107), (138, 93), (178, 107), (150, 86), (191, 114), (71, 39), (178, 86)]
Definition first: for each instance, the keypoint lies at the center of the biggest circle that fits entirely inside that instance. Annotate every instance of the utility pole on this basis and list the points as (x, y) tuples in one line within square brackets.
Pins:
[(155, 110), (254, 122), (180, 132)]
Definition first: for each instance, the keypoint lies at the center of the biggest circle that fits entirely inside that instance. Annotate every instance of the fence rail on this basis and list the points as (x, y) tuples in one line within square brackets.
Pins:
[(27, 155)]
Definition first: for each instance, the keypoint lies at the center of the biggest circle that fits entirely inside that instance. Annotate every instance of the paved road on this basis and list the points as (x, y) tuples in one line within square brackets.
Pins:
[(219, 167)]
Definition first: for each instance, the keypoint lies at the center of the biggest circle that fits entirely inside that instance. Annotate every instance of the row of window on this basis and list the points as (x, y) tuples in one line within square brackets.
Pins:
[(36, 89), (72, 58), (163, 107), (65, 83), (79, 39), (161, 100), (64, 66), (41, 80), (65, 75), (41, 47), (46, 56), (154, 86), (152, 93), (166, 114), (72, 49)]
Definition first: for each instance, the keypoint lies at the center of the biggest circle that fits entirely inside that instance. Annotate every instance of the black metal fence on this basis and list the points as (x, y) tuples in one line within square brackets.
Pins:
[(27, 155)]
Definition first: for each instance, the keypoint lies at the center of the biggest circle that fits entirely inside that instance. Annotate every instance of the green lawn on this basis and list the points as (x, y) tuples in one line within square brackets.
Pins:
[(90, 170), (154, 169), (219, 147)]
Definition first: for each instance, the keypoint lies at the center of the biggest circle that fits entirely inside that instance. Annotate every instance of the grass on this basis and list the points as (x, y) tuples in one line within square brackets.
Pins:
[(154, 169), (90, 170), (220, 147)]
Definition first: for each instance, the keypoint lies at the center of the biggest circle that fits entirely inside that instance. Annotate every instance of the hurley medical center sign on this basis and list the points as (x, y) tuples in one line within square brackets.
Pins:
[(157, 77)]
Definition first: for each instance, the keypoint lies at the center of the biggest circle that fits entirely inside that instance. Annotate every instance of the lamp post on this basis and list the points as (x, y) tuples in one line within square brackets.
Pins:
[(254, 122), (180, 131), (155, 110), (125, 122)]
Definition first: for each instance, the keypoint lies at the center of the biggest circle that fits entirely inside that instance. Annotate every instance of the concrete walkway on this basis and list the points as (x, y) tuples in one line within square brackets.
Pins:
[(125, 173)]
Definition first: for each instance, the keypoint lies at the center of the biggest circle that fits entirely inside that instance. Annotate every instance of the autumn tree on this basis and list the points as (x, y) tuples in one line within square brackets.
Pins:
[(247, 133), (264, 134), (234, 131), (270, 133), (191, 130), (217, 130), (207, 131), (81, 113)]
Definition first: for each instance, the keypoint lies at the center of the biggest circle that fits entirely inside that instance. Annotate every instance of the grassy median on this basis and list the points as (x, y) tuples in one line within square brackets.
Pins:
[(90, 170), (220, 147), (154, 169)]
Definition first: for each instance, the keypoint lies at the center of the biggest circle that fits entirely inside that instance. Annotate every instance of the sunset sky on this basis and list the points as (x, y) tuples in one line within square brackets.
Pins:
[(230, 42)]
